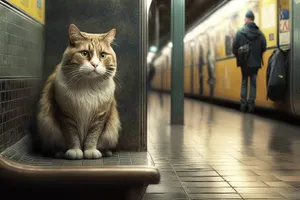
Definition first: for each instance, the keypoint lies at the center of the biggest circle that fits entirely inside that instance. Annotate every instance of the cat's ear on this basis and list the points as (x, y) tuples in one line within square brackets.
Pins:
[(74, 34), (110, 36)]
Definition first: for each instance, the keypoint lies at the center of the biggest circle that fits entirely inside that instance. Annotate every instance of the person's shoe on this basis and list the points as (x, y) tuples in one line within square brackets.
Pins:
[(243, 107), (251, 108)]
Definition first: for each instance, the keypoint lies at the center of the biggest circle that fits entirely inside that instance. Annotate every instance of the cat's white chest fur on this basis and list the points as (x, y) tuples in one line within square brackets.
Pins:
[(84, 102)]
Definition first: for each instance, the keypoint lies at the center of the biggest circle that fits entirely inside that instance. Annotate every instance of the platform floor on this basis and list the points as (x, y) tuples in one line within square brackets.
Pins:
[(221, 153)]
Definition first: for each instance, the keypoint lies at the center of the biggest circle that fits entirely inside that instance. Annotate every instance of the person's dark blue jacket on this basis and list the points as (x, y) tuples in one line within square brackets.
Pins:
[(258, 46)]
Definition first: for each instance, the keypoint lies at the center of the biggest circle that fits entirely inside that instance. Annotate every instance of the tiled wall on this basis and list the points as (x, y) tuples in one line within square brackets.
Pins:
[(21, 61)]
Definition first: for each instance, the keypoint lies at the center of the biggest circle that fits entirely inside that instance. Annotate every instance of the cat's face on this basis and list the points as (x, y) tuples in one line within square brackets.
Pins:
[(89, 55)]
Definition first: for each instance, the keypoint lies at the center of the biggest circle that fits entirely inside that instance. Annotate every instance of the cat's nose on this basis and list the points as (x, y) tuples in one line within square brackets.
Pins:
[(94, 64)]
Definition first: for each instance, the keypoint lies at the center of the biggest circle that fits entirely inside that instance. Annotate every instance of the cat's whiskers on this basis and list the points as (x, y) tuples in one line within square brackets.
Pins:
[(70, 76), (116, 78), (118, 82)]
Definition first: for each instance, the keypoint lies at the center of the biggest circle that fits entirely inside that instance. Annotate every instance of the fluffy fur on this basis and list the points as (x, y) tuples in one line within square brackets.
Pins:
[(77, 115)]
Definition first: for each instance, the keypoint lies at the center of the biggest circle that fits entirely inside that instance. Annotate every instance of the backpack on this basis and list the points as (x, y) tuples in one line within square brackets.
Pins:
[(244, 52), (276, 75)]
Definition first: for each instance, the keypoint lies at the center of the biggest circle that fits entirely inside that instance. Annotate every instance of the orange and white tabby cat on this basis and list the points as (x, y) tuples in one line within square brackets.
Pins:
[(77, 115)]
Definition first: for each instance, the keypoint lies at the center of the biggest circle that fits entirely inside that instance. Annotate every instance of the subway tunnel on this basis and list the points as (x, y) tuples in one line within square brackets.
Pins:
[(182, 135)]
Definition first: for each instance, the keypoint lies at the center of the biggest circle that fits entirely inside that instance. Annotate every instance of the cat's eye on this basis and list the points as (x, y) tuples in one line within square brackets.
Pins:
[(102, 55), (85, 54)]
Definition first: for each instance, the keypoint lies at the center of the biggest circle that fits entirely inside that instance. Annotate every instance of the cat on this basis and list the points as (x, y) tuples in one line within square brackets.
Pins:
[(77, 112)]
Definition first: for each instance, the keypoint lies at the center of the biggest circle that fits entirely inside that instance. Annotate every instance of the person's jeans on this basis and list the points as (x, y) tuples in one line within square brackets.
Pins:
[(252, 74)]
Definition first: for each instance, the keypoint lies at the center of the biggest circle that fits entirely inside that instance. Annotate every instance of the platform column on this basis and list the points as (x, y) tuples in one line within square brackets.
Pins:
[(177, 72), (157, 24)]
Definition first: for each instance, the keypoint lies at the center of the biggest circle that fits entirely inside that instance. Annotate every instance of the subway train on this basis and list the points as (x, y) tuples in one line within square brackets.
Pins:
[(210, 69)]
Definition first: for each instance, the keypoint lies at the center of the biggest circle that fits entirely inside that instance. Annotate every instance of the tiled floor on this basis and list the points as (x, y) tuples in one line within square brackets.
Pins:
[(221, 153)]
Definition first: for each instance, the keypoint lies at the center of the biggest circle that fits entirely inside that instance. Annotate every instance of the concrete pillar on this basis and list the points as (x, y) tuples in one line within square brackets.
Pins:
[(177, 70), (157, 24)]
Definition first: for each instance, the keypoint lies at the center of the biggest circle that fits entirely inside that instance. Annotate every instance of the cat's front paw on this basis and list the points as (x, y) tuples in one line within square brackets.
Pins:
[(74, 154), (92, 154)]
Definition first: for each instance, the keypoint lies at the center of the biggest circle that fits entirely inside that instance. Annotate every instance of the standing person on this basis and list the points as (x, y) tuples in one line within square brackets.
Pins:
[(210, 59), (248, 47), (151, 75), (201, 66)]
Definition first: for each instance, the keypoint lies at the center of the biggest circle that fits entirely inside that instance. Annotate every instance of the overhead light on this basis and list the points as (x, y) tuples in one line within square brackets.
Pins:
[(153, 49), (215, 19)]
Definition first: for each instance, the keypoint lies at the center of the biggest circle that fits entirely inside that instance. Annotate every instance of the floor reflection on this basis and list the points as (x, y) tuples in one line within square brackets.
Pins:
[(279, 142), (221, 153), (247, 129)]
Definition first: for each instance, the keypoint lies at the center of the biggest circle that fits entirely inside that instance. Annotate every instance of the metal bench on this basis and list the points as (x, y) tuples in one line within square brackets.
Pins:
[(125, 175)]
